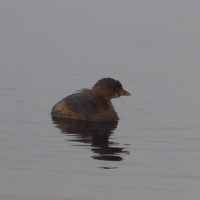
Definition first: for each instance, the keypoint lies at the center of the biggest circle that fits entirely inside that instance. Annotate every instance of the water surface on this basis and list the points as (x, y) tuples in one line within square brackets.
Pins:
[(50, 49)]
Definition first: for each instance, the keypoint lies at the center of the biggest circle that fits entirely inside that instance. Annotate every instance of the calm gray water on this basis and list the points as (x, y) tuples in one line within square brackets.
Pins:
[(49, 49)]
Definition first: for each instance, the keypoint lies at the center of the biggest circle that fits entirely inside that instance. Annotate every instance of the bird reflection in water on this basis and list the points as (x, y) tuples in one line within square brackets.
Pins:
[(96, 134)]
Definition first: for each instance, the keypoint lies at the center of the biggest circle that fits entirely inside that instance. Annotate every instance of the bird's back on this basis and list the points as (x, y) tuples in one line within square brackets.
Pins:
[(76, 106)]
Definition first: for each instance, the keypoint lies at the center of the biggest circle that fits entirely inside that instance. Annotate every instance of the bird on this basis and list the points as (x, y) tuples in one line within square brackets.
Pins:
[(91, 104)]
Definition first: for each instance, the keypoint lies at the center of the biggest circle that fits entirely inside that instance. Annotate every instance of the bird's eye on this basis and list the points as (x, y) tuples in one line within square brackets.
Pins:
[(115, 89)]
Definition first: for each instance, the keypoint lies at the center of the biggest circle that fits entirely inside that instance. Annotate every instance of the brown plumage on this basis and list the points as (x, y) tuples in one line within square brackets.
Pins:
[(91, 105)]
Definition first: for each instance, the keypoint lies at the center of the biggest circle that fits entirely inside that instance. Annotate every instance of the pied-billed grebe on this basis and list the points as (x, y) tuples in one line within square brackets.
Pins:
[(91, 105)]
